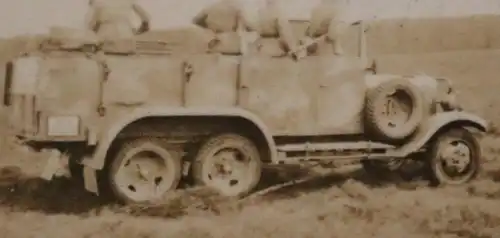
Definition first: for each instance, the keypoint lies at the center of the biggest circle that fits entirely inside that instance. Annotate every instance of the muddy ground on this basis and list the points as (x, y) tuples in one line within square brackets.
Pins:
[(347, 204)]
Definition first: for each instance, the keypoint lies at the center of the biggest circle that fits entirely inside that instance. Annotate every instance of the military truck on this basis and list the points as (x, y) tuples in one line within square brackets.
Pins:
[(136, 122)]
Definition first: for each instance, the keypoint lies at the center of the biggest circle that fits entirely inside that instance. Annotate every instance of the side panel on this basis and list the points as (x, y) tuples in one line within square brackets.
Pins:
[(143, 80), (341, 94), (280, 92), (68, 85), (213, 81)]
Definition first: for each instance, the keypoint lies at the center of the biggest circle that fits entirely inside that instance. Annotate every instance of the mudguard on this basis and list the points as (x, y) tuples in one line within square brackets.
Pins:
[(104, 142), (435, 123), (97, 161)]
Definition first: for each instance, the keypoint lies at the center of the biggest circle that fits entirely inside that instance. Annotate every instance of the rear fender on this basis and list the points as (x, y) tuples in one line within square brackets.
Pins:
[(437, 124), (120, 122)]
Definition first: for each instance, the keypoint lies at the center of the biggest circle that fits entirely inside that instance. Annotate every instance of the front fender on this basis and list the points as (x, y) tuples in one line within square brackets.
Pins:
[(437, 122), (117, 123)]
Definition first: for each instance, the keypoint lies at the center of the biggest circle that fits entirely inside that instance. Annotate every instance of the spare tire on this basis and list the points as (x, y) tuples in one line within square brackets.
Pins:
[(393, 110)]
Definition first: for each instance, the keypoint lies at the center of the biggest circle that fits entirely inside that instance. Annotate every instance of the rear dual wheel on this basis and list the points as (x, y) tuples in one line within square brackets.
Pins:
[(144, 170), (229, 164)]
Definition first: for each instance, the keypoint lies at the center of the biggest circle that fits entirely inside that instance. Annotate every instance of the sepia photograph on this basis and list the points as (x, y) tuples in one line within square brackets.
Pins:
[(249, 118)]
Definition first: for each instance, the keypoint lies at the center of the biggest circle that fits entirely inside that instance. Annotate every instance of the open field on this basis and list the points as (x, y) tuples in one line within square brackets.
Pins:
[(343, 205)]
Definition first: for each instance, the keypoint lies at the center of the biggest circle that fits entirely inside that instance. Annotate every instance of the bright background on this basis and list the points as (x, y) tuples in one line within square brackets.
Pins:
[(35, 16)]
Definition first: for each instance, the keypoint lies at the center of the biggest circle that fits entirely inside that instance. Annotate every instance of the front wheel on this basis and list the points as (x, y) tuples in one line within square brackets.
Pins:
[(454, 157), (228, 163)]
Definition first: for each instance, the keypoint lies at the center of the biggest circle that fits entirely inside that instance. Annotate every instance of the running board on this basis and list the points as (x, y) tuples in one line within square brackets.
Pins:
[(328, 152), (335, 146)]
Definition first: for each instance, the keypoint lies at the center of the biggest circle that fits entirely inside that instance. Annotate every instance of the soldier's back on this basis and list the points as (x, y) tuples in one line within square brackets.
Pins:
[(222, 16), (276, 35), (321, 17), (112, 10), (268, 22), (113, 17)]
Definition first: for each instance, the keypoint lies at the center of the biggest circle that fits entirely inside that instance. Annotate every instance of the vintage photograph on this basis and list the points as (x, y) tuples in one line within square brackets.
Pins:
[(249, 118)]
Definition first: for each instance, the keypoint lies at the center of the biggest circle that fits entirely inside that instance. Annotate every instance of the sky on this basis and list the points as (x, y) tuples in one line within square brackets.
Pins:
[(36, 16)]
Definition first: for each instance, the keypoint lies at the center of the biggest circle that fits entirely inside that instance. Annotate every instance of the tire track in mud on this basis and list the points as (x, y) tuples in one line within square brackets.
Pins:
[(341, 203), (346, 200), (68, 197), (23, 193)]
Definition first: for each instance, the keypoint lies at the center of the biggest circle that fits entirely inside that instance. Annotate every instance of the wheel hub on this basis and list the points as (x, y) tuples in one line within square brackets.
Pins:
[(142, 176), (225, 164), (143, 172), (456, 156), (397, 108), (227, 168)]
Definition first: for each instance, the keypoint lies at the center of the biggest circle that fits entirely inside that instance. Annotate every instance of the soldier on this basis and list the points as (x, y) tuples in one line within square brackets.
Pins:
[(222, 16), (328, 23), (110, 18), (226, 21), (276, 35)]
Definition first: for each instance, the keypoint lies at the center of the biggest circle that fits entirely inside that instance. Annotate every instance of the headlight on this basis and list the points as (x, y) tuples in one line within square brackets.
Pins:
[(63, 126), (444, 86), (446, 94)]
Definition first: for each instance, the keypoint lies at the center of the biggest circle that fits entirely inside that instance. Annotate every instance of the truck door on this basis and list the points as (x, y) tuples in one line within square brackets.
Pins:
[(340, 94), (280, 92)]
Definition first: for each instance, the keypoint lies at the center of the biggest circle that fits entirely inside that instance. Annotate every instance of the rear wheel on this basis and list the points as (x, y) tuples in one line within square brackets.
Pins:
[(228, 163), (454, 157), (144, 170)]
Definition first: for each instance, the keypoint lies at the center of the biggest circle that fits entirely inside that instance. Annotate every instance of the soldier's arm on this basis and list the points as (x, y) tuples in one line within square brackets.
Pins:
[(244, 22), (142, 13), (313, 22), (90, 18), (308, 31), (337, 26), (286, 32)]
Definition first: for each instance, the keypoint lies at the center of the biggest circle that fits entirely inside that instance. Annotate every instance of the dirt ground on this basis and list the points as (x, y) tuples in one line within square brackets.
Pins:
[(347, 204)]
